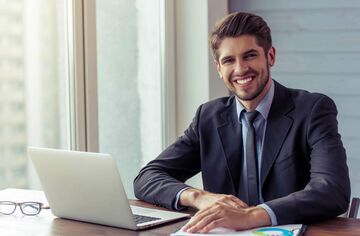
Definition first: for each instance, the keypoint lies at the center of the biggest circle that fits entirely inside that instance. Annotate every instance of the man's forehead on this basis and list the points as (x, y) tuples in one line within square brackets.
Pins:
[(238, 45), (242, 42)]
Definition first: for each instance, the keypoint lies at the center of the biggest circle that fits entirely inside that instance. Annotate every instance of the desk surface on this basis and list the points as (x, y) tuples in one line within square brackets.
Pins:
[(47, 224)]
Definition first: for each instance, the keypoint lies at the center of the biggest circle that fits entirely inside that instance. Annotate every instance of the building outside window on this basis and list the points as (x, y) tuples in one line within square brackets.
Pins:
[(129, 83), (36, 72), (33, 85)]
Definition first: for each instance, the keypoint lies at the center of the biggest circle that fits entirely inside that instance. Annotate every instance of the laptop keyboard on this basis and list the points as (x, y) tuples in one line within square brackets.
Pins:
[(142, 219)]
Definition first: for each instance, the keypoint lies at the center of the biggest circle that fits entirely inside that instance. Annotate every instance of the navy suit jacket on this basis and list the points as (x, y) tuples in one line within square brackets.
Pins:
[(304, 175)]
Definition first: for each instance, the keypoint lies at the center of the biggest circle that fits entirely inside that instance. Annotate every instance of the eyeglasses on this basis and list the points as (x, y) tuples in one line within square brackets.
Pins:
[(27, 208)]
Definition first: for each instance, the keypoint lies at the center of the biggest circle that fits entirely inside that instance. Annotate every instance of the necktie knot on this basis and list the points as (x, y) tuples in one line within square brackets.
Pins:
[(250, 117)]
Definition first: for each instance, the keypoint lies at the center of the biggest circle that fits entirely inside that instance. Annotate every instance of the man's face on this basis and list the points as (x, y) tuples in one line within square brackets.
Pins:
[(244, 67)]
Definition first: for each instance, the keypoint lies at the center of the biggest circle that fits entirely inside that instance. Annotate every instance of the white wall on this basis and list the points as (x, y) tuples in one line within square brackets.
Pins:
[(318, 49), (196, 77)]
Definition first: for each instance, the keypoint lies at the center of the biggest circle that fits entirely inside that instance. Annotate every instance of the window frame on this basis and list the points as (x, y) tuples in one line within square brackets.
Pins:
[(83, 89), (84, 100)]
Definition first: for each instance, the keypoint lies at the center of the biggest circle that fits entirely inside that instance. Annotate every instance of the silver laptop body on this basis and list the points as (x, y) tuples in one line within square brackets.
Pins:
[(87, 187)]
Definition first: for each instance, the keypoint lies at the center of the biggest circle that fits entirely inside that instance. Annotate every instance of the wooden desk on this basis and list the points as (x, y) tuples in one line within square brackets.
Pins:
[(46, 224), (337, 226)]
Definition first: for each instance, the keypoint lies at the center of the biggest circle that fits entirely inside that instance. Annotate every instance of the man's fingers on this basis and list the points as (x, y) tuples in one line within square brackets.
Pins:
[(201, 215), (239, 202), (213, 216), (194, 220), (234, 202), (212, 225), (201, 222)]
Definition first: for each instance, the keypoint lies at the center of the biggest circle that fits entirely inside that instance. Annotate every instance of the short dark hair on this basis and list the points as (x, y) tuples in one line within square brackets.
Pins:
[(237, 24)]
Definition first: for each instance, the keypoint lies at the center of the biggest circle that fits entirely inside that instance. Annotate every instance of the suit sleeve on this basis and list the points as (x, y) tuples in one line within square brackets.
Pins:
[(162, 178), (328, 192)]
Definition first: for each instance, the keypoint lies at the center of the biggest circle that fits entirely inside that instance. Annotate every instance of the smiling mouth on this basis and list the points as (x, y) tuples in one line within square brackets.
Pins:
[(244, 80)]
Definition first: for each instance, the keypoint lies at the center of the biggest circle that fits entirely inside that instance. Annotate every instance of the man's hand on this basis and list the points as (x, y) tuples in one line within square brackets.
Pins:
[(202, 199), (219, 210), (223, 215)]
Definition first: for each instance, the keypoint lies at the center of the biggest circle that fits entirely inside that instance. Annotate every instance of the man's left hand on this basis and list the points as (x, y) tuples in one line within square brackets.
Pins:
[(223, 215)]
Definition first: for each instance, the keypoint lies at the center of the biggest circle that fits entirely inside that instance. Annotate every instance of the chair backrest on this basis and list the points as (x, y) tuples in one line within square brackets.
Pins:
[(353, 208)]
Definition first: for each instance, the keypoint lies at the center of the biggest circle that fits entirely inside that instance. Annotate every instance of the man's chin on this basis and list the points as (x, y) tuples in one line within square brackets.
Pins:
[(250, 95), (247, 97)]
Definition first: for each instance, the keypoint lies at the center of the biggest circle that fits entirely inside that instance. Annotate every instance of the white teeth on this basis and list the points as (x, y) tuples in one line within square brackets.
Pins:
[(243, 81)]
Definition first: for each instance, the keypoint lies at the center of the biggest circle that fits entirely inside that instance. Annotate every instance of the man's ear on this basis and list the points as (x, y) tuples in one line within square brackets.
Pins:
[(218, 67), (271, 56)]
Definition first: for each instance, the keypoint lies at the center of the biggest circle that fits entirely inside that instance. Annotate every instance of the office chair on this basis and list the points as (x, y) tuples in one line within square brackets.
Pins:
[(353, 208)]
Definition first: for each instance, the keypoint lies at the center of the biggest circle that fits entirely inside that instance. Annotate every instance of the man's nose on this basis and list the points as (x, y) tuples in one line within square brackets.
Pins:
[(241, 67)]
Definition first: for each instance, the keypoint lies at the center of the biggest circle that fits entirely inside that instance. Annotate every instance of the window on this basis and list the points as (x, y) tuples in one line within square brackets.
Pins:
[(129, 83), (38, 89), (33, 85)]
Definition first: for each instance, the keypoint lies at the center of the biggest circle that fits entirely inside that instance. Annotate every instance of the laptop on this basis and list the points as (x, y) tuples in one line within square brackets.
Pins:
[(87, 187)]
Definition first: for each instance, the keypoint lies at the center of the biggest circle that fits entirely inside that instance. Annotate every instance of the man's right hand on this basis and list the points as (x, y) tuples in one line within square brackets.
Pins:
[(201, 199), (220, 210)]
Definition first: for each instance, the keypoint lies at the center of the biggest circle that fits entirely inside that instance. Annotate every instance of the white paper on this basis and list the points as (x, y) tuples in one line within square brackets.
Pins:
[(279, 230)]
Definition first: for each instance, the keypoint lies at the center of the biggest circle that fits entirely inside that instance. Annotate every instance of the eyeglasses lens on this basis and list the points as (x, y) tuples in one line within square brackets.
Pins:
[(7, 208), (30, 208)]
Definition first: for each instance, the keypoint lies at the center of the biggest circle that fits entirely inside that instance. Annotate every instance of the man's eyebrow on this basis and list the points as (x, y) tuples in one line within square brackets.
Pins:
[(245, 53), (225, 58), (250, 51)]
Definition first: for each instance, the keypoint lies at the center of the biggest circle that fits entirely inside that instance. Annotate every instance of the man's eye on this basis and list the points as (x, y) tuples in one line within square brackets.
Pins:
[(249, 56)]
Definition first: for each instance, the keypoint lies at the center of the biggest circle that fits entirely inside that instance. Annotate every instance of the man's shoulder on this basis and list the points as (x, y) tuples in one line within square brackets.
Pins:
[(218, 104), (217, 109), (301, 95)]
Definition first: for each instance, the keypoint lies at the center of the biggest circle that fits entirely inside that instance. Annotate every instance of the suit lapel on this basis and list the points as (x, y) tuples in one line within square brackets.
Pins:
[(231, 140), (278, 125)]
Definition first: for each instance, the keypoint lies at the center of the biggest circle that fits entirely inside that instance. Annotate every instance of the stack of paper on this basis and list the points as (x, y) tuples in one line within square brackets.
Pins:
[(280, 230)]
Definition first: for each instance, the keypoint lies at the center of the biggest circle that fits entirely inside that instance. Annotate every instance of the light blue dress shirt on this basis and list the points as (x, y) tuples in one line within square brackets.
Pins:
[(260, 126)]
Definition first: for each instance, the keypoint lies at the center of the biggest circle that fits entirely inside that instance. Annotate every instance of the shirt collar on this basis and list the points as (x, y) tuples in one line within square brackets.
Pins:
[(264, 106)]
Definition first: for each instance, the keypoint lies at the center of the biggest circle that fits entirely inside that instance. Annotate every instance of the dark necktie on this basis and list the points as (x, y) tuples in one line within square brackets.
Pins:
[(251, 160)]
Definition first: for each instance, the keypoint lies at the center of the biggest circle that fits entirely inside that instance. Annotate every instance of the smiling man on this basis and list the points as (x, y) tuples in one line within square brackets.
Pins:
[(268, 154)]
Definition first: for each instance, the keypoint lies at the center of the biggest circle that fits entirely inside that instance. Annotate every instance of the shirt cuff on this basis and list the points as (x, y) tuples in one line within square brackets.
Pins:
[(177, 198), (270, 212)]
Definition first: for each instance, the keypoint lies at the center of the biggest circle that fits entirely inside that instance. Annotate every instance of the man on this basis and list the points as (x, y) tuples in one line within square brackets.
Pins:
[(268, 154)]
